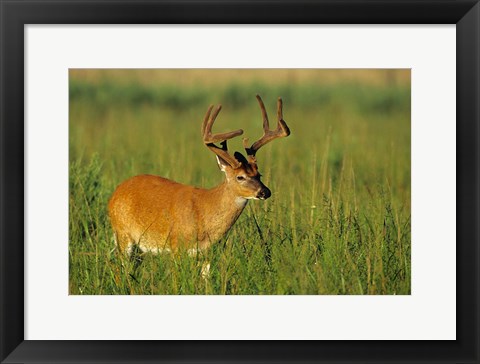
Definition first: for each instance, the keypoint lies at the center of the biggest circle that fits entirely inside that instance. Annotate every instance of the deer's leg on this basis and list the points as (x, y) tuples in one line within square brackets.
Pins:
[(124, 243), (205, 270)]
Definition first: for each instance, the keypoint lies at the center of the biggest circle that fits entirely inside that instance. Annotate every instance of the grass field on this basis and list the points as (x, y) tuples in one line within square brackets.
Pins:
[(338, 221)]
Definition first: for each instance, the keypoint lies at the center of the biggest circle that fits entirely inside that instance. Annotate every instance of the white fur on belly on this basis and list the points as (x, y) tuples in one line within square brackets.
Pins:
[(154, 250)]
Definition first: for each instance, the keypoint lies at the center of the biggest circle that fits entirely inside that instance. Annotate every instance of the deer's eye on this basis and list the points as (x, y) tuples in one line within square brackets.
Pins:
[(240, 178)]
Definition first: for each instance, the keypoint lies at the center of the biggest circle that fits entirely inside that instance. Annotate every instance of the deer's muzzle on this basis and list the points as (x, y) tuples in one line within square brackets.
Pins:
[(264, 193)]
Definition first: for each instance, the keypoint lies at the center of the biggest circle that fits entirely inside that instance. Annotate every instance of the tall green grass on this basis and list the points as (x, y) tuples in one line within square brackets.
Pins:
[(338, 221)]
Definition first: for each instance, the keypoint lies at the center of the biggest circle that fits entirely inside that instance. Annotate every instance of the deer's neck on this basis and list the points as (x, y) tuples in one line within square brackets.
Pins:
[(222, 209)]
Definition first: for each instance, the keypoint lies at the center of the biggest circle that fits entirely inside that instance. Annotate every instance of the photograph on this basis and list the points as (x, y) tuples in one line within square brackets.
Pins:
[(239, 182)]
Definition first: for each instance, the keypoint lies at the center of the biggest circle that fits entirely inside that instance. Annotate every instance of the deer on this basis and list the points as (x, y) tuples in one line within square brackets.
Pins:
[(158, 215)]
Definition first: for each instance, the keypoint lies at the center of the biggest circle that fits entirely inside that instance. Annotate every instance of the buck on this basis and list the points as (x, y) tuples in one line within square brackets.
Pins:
[(157, 214)]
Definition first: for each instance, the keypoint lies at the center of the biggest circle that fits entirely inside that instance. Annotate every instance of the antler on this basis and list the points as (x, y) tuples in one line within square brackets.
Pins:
[(209, 139), (268, 135)]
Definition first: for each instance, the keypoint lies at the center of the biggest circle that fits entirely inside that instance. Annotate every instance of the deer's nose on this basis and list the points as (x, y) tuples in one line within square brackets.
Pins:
[(264, 193)]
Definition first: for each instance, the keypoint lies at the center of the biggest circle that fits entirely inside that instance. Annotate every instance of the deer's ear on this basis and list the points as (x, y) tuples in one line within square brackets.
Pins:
[(222, 164), (239, 157)]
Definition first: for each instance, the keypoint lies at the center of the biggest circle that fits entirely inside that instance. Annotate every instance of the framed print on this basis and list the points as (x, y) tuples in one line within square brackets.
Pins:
[(139, 235)]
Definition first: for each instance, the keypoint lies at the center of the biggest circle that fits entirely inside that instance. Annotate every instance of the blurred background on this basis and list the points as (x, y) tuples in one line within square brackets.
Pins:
[(340, 181), (153, 117)]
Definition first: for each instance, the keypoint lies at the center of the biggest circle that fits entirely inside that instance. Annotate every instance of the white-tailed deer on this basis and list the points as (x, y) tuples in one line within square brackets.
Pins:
[(157, 214)]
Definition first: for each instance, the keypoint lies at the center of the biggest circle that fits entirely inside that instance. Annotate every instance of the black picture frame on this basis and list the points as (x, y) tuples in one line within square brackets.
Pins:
[(16, 14)]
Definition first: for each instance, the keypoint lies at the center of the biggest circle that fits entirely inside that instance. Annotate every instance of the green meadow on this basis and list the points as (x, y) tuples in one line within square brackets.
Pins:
[(338, 221)]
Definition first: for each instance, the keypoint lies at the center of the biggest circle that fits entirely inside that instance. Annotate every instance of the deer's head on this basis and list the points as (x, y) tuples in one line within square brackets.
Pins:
[(242, 172)]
